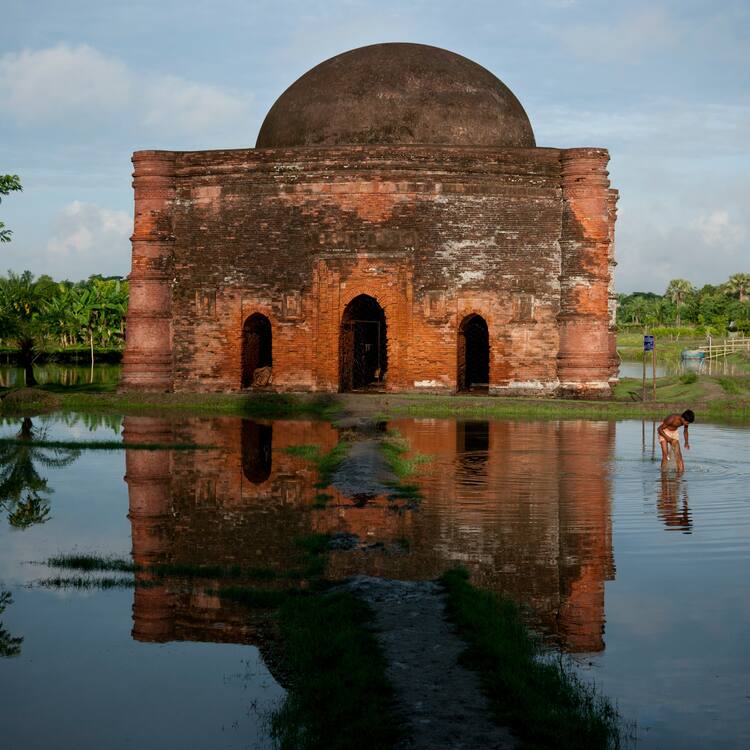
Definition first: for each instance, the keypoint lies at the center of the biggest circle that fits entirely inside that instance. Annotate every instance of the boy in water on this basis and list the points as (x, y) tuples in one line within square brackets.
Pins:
[(669, 436)]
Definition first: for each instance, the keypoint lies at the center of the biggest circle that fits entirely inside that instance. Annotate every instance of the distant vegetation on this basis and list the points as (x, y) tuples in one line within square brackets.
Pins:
[(87, 318), (43, 315), (708, 310)]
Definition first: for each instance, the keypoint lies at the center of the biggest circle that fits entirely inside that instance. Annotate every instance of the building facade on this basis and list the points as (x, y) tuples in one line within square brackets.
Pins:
[(395, 228)]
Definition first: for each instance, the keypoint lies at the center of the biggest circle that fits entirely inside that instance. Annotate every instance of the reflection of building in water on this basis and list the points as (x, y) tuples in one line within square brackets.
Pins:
[(672, 504), (239, 504), (524, 505)]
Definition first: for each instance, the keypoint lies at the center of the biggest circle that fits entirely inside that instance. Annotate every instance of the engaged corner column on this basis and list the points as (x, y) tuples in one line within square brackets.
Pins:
[(148, 476), (584, 358), (147, 363)]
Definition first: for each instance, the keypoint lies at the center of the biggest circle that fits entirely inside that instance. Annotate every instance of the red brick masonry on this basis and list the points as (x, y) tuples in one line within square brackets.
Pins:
[(522, 236)]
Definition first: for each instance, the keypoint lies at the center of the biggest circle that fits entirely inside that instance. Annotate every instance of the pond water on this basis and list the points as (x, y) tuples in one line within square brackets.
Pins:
[(65, 374), (640, 576), (634, 369)]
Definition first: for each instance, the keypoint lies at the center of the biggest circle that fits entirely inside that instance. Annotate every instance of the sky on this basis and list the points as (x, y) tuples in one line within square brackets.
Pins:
[(663, 85)]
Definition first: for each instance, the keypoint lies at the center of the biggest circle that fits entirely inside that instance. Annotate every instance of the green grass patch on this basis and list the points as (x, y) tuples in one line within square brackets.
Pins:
[(542, 700), (91, 563), (78, 388), (103, 445), (394, 449), (104, 398), (339, 696), (314, 548), (325, 463), (734, 386), (256, 598), (96, 563), (87, 583)]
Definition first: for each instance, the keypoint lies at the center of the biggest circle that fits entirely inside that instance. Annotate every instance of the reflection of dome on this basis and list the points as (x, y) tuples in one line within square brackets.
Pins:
[(397, 94)]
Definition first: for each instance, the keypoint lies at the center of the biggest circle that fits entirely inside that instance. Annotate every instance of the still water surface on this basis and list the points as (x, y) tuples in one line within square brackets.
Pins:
[(12, 376), (641, 577)]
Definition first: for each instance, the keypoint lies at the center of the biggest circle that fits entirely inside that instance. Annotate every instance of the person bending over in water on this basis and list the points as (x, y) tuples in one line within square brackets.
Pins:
[(669, 436)]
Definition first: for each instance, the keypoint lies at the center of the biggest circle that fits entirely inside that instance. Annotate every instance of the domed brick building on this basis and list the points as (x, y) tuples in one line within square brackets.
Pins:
[(395, 228)]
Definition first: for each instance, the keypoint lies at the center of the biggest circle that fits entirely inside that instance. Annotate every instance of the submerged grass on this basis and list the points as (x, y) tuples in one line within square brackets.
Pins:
[(394, 449), (80, 582), (735, 386), (103, 445), (339, 696), (325, 463), (261, 405), (545, 703), (96, 563)]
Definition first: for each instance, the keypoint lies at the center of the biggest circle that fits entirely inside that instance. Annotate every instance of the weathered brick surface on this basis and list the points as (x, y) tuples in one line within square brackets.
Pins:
[(522, 237), (546, 540)]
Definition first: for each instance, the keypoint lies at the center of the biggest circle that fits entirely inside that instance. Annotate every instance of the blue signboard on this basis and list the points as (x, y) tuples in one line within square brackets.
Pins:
[(648, 343)]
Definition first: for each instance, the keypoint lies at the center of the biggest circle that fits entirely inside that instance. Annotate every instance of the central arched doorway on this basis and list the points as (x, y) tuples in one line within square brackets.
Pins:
[(256, 442), (473, 354), (363, 345), (256, 350)]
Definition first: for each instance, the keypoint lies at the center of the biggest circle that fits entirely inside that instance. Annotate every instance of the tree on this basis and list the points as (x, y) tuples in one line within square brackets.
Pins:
[(678, 291), (8, 184), (21, 487), (22, 307), (739, 284), (9, 645)]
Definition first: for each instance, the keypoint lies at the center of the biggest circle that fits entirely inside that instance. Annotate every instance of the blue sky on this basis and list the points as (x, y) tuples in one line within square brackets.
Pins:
[(663, 85)]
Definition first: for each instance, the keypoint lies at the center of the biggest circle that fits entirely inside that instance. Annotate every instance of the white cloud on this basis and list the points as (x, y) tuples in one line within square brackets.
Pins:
[(79, 85), (716, 229), (91, 238), (657, 248), (170, 102)]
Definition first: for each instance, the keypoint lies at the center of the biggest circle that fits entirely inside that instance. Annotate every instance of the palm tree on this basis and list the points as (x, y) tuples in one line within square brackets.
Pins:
[(21, 486), (739, 284), (9, 645), (678, 291), (22, 302)]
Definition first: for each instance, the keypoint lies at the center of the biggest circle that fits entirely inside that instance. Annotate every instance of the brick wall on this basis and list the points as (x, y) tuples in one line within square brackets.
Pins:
[(432, 233)]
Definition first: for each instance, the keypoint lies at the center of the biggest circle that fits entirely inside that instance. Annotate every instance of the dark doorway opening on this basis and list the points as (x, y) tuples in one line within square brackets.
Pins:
[(256, 348), (363, 345), (472, 445), (473, 354), (256, 443)]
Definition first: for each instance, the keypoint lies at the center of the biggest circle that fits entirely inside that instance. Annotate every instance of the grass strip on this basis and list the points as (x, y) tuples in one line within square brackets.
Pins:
[(394, 449), (339, 696), (325, 463), (95, 563), (104, 445), (260, 405), (79, 582), (734, 386), (544, 702), (256, 598)]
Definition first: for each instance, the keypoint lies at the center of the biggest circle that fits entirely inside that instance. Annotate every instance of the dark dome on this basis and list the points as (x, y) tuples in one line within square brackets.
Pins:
[(397, 94)]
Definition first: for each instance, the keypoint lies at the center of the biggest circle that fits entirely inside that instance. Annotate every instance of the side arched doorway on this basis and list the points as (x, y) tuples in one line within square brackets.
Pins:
[(363, 345), (473, 354), (256, 348)]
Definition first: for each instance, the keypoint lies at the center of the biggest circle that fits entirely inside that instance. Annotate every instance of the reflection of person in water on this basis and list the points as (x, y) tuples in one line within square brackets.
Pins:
[(674, 513), (669, 437)]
